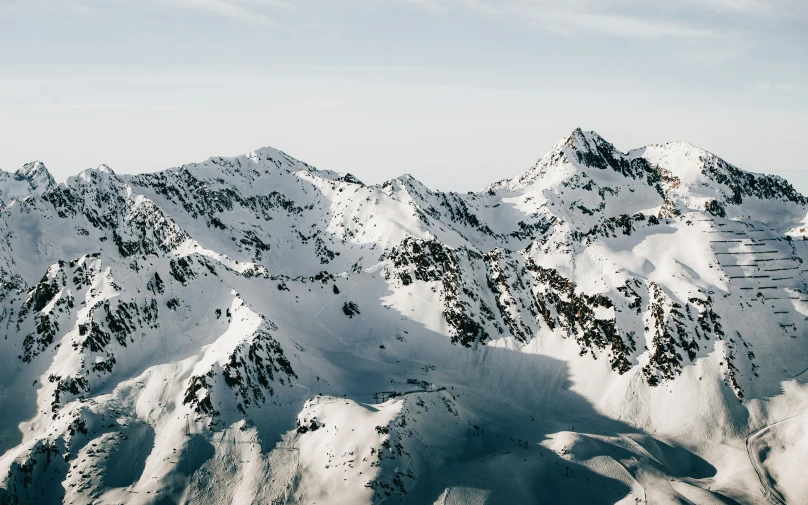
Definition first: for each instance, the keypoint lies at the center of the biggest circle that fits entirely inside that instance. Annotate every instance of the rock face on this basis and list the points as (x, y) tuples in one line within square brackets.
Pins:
[(607, 327)]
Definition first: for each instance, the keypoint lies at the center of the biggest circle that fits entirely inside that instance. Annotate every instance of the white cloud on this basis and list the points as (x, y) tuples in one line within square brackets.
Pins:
[(630, 18), (625, 18), (247, 10), (92, 106), (786, 87), (256, 11), (752, 7), (618, 25)]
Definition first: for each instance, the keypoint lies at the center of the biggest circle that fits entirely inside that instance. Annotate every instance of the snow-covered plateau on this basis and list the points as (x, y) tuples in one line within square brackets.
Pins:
[(606, 328)]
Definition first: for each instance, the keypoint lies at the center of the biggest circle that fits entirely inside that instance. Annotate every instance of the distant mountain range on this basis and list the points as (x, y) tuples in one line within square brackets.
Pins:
[(607, 327)]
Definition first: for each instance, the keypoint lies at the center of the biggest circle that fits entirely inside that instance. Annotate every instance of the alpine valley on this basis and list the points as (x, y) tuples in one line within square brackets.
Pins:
[(607, 327)]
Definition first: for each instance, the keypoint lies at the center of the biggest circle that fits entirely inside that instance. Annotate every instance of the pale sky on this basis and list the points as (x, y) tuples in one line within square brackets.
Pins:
[(458, 93)]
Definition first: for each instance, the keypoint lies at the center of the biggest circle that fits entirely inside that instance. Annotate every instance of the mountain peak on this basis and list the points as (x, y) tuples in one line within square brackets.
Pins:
[(576, 137), (585, 141), (35, 172), (31, 179), (264, 152), (30, 168), (579, 146), (95, 175)]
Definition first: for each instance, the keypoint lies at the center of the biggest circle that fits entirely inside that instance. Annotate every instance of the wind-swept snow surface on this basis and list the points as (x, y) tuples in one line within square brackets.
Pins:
[(606, 328)]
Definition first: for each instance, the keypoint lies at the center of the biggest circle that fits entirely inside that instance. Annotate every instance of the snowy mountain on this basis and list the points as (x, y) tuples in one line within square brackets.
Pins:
[(32, 179), (607, 327)]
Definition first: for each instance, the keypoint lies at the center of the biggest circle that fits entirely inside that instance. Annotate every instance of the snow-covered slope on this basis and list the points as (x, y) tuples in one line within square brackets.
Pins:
[(607, 327)]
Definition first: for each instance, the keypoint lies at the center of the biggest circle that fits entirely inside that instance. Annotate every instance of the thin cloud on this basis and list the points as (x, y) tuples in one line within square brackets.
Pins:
[(245, 10), (777, 8), (784, 87), (619, 25), (93, 106), (627, 18), (616, 18), (254, 11)]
